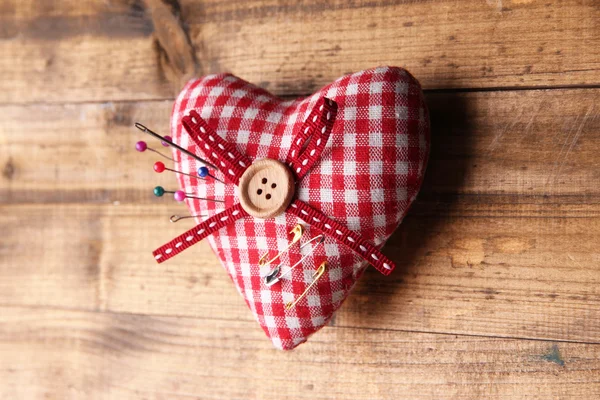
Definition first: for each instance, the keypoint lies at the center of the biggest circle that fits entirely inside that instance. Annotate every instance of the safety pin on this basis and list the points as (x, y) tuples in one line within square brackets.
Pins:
[(273, 276), (297, 231), (316, 275)]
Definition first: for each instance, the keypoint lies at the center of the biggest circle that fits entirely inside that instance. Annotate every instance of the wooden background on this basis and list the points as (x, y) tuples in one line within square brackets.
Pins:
[(497, 292)]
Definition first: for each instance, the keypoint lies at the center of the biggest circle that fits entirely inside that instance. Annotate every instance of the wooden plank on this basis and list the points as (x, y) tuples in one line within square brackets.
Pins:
[(527, 277), (68, 354), (81, 200), (497, 153), (298, 47), (74, 256), (540, 143), (78, 51), (70, 51), (512, 277), (501, 243), (80, 152)]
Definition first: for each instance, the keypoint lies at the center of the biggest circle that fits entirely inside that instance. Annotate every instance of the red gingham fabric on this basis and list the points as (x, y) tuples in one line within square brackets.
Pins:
[(368, 175)]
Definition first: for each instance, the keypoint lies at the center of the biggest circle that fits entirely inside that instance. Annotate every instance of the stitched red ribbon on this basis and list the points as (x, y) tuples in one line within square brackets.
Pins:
[(221, 153), (309, 143), (305, 151), (342, 235), (199, 232)]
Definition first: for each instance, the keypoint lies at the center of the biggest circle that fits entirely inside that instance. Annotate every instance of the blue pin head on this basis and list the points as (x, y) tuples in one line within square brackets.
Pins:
[(202, 172)]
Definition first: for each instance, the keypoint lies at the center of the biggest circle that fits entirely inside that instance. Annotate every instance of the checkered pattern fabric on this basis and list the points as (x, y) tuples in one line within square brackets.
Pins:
[(369, 173)]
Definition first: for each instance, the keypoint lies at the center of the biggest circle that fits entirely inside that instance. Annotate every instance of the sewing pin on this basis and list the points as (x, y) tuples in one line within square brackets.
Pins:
[(203, 173), (167, 137), (170, 142), (180, 195), (316, 275), (175, 218), (141, 146), (274, 274), (297, 231), (159, 167)]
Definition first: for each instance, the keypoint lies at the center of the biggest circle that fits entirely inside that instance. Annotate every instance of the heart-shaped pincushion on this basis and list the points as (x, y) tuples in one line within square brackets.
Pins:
[(368, 175)]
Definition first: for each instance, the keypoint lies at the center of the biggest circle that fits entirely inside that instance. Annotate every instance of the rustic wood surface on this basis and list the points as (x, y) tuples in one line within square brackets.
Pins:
[(497, 291)]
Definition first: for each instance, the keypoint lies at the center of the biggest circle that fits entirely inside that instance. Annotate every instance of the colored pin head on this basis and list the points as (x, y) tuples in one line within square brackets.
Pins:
[(169, 138), (202, 172), (159, 167), (169, 141), (179, 195), (141, 146), (159, 191)]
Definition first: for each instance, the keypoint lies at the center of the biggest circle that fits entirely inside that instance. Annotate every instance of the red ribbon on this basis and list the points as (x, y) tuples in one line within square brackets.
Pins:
[(306, 149)]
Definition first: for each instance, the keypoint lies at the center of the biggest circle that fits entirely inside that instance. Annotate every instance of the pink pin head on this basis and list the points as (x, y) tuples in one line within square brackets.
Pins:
[(179, 195), (141, 146), (169, 138), (159, 167)]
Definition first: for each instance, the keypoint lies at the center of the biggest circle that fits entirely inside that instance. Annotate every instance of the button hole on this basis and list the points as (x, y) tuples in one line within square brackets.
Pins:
[(268, 196)]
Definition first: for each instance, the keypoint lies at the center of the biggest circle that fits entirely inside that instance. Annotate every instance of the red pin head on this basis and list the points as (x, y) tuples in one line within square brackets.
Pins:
[(159, 166)]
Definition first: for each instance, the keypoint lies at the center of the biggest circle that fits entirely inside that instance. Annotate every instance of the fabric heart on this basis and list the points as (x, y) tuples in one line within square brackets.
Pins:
[(363, 178)]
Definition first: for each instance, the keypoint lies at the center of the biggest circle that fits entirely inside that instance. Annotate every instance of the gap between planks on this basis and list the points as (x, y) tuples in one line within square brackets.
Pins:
[(293, 96), (328, 326)]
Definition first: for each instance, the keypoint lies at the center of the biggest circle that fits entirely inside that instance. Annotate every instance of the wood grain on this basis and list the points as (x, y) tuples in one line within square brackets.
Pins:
[(71, 354), (70, 51), (526, 277), (80, 152), (529, 152), (301, 46), (496, 292), (47, 52), (494, 239)]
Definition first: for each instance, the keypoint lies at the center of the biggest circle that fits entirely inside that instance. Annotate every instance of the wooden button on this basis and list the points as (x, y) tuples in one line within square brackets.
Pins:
[(266, 188)]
